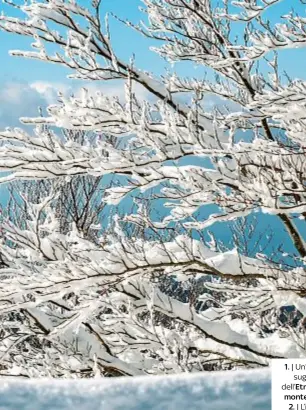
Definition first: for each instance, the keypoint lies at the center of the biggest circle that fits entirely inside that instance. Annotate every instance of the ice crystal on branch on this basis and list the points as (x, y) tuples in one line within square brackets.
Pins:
[(140, 294)]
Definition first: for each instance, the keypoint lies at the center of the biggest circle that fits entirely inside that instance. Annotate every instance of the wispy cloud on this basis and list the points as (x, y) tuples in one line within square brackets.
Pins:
[(18, 99), (22, 99)]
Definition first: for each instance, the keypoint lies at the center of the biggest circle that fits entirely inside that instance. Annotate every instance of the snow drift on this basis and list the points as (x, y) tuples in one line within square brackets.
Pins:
[(234, 390)]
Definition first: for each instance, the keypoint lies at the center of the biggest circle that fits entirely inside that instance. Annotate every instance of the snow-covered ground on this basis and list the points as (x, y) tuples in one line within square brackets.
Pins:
[(245, 390)]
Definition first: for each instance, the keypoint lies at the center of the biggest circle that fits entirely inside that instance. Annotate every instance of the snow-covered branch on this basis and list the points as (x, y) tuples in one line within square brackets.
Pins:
[(148, 294)]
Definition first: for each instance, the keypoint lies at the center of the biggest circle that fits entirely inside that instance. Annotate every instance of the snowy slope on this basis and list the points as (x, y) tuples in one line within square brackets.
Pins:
[(247, 390)]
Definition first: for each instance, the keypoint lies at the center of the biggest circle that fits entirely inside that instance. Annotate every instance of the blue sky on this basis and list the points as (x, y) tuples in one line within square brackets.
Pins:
[(125, 39), (21, 80), (127, 42), (27, 84), (24, 83)]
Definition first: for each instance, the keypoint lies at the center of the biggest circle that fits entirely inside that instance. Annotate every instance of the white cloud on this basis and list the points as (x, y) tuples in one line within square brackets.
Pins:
[(22, 99), (49, 90), (18, 99)]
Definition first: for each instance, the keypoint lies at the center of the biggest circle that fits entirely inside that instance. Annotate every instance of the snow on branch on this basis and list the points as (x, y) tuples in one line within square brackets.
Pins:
[(151, 295)]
